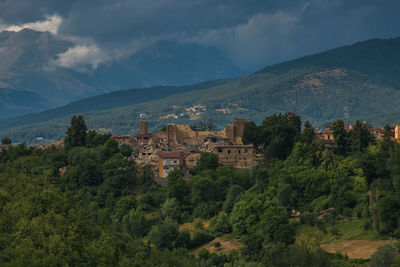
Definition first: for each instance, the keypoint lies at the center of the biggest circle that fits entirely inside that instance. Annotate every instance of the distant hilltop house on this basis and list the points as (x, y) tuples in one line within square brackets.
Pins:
[(4, 147), (326, 135), (397, 133)]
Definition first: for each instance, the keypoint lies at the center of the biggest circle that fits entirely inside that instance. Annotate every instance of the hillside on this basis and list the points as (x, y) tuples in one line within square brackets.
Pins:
[(29, 64), (352, 82), (106, 101)]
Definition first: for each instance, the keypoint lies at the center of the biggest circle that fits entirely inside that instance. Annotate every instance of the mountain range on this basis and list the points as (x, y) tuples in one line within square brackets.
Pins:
[(32, 81), (359, 81)]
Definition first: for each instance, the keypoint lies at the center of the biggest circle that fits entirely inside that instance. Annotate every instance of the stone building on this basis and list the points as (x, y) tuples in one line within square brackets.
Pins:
[(123, 140), (397, 133), (240, 156), (325, 134), (234, 131), (211, 141), (191, 158), (169, 161), (177, 135), (4, 147)]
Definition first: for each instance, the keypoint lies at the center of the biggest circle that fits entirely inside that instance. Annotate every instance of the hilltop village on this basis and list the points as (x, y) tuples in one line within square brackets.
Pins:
[(180, 146)]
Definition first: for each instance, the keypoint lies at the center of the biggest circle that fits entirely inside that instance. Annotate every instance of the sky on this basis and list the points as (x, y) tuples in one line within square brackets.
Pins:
[(251, 33)]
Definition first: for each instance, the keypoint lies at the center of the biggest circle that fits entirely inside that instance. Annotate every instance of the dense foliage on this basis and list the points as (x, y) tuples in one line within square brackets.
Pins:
[(91, 205)]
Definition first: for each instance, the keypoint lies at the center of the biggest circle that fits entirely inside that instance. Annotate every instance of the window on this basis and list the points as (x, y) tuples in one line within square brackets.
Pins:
[(229, 151), (238, 151), (245, 150), (219, 149), (175, 161)]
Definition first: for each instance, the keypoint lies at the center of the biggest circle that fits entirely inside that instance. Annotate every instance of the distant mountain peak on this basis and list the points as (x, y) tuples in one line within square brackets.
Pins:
[(29, 63)]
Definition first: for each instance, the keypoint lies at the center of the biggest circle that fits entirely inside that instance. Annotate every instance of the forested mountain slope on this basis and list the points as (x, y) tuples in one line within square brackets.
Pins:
[(352, 82)]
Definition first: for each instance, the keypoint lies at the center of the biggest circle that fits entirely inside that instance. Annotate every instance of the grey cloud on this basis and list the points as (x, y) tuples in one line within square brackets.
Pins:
[(25, 11), (253, 33)]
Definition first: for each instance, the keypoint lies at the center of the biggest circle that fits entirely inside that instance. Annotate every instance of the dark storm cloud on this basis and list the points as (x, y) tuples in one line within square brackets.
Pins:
[(252, 32), (105, 20), (24, 11)]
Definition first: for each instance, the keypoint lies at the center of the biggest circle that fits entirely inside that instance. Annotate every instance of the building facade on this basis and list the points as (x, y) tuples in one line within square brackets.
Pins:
[(169, 161)]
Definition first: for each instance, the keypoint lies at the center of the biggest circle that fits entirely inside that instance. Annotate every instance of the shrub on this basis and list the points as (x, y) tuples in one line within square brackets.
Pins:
[(201, 237), (205, 210), (384, 256), (308, 218), (220, 225), (183, 240)]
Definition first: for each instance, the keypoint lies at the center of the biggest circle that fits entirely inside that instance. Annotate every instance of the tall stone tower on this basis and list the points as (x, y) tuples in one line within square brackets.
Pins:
[(143, 128)]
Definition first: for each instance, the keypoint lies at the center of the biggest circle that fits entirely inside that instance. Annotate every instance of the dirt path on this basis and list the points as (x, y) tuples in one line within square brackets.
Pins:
[(355, 249)]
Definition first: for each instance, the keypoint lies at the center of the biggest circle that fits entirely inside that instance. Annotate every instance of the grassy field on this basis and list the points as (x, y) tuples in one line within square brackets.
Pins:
[(349, 238), (191, 226), (340, 231), (225, 244), (355, 249)]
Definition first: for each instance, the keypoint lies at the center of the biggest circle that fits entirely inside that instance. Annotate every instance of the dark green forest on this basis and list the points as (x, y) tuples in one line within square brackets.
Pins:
[(91, 205)]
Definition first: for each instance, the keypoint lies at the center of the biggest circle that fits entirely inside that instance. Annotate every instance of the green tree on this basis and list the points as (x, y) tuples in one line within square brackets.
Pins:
[(341, 137), (275, 224), (147, 177), (393, 165), (126, 150), (207, 161), (279, 133), (360, 137), (93, 139), (388, 133), (183, 240), (203, 189), (84, 170), (389, 212), (308, 134), (6, 141), (164, 235), (76, 133), (220, 225), (135, 223), (109, 149), (170, 208), (384, 256), (246, 214), (252, 134), (124, 205), (177, 187), (120, 174), (233, 196)]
